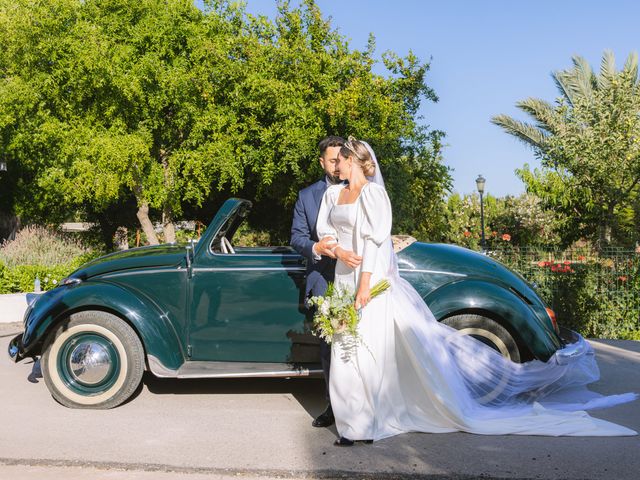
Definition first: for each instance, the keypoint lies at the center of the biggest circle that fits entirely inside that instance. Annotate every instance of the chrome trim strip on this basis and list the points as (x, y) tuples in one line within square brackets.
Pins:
[(158, 369), (198, 369), (143, 272), (248, 269), (302, 372), (417, 270)]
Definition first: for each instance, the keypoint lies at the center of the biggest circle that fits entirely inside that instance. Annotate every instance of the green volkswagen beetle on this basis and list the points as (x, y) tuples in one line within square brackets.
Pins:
[(211, 309)]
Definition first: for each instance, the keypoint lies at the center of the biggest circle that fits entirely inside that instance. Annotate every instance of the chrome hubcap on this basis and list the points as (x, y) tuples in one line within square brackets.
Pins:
[(90, 363)]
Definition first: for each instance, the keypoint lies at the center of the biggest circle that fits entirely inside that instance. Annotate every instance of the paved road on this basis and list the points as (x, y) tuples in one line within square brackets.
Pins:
[(260, 428)]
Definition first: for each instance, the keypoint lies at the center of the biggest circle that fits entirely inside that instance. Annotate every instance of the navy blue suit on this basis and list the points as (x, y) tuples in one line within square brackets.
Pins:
[(303, 236)]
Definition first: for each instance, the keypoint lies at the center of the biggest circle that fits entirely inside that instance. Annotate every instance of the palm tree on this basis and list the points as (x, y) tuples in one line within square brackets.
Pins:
[(588, 140)]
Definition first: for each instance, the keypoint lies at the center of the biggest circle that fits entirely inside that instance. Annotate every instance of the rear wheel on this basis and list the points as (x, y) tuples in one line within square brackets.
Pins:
[(487, 331), (93, 360)]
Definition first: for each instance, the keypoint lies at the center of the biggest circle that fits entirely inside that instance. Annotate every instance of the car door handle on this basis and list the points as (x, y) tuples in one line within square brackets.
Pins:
[(295, 262)]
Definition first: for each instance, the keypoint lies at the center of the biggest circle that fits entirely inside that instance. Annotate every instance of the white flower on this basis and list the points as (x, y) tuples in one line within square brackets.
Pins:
[(324, 308)]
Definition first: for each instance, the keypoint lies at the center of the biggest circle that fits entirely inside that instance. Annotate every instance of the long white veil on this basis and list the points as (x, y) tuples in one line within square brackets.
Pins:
[(484, 385)]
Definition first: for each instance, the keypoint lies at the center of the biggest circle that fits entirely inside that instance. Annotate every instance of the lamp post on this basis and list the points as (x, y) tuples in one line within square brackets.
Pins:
[(480, 184)]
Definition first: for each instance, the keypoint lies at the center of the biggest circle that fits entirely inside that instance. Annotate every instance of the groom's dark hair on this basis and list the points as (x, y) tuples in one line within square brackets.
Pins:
[(330, 141)]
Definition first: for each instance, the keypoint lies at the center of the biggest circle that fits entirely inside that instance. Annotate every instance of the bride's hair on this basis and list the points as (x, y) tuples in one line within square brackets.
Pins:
[(360, 154)]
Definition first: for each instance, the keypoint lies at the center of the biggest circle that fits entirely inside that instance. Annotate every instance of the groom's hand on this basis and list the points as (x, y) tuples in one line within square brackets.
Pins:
[(325, 246)]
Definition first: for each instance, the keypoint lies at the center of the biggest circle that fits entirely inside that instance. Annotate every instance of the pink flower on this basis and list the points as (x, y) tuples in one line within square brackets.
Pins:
[(506, 237)]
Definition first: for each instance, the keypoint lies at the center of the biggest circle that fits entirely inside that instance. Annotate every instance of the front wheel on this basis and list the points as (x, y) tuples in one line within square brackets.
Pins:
[(92, 360), (488, 331)]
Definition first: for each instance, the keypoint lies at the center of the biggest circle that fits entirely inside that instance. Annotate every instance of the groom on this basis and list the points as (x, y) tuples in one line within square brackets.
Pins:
[(304, 239)]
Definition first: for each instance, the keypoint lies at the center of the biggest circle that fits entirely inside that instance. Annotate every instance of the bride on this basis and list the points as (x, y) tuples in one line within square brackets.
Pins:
[(409, 373)]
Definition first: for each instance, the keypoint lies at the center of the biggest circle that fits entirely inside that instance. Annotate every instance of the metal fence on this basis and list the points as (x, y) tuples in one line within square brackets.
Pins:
[(595, 292)]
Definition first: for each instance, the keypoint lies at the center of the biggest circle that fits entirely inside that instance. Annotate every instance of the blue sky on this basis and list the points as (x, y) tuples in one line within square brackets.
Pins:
[(486, 55)]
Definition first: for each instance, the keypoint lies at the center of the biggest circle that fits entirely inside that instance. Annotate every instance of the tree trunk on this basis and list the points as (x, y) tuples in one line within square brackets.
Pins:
[(167, 211), (121, 238), (606, 227), (145, 222), (167, 225)]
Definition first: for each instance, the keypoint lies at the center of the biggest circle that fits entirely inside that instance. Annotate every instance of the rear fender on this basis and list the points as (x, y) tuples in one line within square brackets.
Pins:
[(154, 328), (469, 295)]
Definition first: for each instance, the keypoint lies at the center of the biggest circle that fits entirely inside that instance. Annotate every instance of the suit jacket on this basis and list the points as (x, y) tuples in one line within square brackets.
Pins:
[(303, 236)]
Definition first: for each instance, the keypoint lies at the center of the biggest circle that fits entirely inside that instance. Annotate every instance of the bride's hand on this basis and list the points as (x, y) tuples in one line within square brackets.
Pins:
[(347, 257), (364, 293)]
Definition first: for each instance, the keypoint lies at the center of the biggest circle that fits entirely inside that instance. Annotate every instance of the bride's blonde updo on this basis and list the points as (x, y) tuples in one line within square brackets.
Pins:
[(360, 153)]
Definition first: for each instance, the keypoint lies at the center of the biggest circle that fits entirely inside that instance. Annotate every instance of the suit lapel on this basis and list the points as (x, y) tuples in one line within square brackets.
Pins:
[(318, 191)]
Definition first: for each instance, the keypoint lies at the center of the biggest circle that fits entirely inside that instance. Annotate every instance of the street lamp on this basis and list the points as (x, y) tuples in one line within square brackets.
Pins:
[(3, 166), (480, 184)]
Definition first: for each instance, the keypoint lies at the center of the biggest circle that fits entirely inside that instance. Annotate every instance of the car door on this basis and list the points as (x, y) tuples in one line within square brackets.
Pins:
[(247, 307)]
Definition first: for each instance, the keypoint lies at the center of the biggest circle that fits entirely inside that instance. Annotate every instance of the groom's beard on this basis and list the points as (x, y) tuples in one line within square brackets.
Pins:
[(333, 180)]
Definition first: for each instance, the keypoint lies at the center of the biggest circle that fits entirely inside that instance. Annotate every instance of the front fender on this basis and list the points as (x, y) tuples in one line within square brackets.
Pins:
[(155, 329), (468, 295)]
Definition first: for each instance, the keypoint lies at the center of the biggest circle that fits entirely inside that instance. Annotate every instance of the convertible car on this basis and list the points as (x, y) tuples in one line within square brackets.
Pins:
[(211, 309)]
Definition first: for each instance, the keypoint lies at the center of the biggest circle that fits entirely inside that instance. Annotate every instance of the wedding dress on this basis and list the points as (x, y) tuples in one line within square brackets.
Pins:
[(406, 372)]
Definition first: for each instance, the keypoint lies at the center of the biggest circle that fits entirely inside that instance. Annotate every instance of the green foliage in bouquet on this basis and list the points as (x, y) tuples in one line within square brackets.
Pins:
[(336, 312)]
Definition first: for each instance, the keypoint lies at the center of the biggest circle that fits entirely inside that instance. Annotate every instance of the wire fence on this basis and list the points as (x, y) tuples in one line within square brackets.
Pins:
[(594, 292)]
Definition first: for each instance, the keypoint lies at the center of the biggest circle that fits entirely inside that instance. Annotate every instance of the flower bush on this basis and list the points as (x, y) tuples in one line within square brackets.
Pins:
[(596, 294), (509, 220), (37, 252), (40, 246)]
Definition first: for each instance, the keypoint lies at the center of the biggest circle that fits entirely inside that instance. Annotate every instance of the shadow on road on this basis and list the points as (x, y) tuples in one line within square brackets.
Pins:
[(309, 392)]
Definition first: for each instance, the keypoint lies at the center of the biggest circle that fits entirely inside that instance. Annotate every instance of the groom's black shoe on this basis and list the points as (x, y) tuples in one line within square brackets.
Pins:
[(343, 442), (325, 419)]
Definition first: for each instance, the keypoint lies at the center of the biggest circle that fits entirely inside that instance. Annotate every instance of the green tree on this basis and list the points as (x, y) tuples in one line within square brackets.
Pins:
[(588, 143), (106, 104)]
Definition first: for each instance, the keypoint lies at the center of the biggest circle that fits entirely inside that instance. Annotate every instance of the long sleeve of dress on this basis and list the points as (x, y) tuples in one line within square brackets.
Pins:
[(376, 225), (324, 227)]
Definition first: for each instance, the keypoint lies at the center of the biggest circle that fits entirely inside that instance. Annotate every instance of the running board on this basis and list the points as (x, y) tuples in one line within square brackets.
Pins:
[(232, 370)]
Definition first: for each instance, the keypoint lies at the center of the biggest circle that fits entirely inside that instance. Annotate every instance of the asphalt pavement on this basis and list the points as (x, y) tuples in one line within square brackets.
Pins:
[(261, 428)]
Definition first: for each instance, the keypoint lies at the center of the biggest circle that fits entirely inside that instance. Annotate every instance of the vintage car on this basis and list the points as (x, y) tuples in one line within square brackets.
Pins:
[(211, 309)]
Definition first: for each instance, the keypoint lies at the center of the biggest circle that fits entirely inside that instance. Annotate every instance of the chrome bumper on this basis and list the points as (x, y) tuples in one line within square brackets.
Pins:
[(15, 347), (575, 348)]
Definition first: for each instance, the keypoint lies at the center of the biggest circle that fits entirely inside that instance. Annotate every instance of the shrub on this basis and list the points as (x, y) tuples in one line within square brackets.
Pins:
[(35, 245), (42, 253), (596, 294), (246, 236), (508, 221)]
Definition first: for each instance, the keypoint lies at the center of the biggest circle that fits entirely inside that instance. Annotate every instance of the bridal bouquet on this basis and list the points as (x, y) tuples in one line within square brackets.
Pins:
[(336, 312)]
